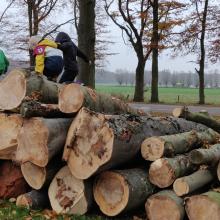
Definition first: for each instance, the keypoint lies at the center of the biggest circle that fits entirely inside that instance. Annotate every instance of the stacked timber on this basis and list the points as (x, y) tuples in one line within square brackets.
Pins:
[(68, 147)]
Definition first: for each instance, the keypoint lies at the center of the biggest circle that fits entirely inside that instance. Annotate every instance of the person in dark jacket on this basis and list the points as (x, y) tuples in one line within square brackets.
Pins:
[(70, 52)]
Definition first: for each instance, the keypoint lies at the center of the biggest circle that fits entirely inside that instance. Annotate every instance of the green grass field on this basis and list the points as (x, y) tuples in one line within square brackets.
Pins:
[(166, 95)]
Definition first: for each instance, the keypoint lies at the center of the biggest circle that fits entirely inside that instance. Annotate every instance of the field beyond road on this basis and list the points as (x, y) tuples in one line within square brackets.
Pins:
[(166, 95)]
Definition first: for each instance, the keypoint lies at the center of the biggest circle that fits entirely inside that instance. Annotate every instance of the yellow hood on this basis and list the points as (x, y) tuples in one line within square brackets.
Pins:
[(47, 42)]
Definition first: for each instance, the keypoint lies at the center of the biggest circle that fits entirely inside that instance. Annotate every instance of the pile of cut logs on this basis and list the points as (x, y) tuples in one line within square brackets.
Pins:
[(71, 148)]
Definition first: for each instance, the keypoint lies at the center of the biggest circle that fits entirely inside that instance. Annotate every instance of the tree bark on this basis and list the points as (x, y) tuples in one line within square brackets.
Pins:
[(139, 82), (167, 146), (197, 117), (206, 156), (69, 195), (10, 126), (40, 139), (187, 184), (202, 55), (20, 84), (95, 140), (12, 183), (163, 172), (121, 190), (87, 40), (73, 96), (36, 109), (155, 48), (34, 200), (204, 206), (165, 205)]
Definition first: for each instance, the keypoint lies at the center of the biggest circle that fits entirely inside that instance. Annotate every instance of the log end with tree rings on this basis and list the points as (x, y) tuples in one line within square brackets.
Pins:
[(89, 144), (161, 173), (34, 175), (10, 126), (152, 148), (177, 112), (24, 200), (181, 187), (71, 98), (68, 194), (203, 207), (12, 90), (111, 193), (164, 207), (32, 142)]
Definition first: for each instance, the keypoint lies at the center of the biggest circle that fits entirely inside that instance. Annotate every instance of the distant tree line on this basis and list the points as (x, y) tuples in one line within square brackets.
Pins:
[(170, 79)]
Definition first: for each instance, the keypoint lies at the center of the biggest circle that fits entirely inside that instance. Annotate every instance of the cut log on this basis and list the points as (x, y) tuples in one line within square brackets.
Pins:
[(10, 126), (95, 140), (167, 146), (197, 117), (36, 109), (204, 206), (121, 190), (38, 177), (12, 183), (69, 195), (206, 156), (73, 96), (165, 205), (34, 200), (20, 84), (163, 172), (187, 184), (218, 171), (40, 139)]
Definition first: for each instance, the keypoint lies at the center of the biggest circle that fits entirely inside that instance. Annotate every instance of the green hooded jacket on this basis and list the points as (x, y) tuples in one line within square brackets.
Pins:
[(3, 62)]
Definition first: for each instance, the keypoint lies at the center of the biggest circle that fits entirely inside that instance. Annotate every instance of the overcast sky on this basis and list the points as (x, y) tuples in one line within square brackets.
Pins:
[(126, 58)]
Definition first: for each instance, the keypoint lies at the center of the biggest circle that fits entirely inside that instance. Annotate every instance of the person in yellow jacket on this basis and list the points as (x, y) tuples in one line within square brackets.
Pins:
[(48, 59)]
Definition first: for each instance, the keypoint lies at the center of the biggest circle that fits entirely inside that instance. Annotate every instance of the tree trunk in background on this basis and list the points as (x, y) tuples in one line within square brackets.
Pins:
[(86, 41), (139, 84), (202, 58), (154, 44)]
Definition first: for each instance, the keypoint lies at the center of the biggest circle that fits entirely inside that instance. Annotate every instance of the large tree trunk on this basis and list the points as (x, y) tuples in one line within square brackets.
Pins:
[(40, 139), (36, 109), (154, 45), (38, 177), (95, 140), (202, 54), (20, 84), (165, 205), (204, 206), (139, 82), (34, 200), (197, 117), (12, 183), (167, 146), (10, 126), (87, 40), (163, 172), (70, 195), (121, 190), (187, 184), (73, 96), (206, 156)]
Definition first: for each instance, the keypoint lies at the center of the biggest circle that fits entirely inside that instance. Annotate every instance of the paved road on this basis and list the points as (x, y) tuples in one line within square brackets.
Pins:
[(169, 108)]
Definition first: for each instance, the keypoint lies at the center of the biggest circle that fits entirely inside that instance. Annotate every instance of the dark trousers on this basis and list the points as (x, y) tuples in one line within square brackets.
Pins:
[(68, 76)]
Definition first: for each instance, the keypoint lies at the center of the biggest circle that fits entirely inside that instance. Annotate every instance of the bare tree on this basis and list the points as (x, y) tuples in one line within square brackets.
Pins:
[(6, 9)]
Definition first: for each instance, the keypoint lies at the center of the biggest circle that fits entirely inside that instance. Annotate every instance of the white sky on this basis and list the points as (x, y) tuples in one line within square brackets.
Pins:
[(126, 59)]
